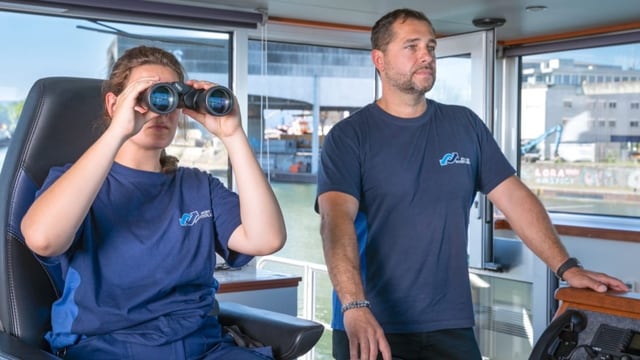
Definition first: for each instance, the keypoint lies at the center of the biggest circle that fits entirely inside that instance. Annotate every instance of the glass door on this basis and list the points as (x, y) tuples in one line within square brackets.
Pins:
[(502, 271), (465, 77)]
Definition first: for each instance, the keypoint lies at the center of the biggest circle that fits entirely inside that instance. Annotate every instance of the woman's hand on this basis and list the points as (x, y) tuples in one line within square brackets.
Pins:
[(127, 114), (220, 126)]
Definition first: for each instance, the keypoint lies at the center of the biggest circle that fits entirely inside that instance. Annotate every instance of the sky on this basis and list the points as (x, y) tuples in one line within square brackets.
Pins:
[(618, 55), (26, 45), (49, 46)]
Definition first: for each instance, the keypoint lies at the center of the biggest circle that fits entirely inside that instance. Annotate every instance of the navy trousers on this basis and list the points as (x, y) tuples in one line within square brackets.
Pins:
[(205, 344), (449, 344)]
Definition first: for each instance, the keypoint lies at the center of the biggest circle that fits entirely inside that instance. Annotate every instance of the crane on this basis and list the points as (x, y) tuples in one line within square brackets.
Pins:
[(526, 148)]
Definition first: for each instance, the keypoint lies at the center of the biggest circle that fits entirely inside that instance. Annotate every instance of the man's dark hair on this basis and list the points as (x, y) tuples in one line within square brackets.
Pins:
[(381, 33)]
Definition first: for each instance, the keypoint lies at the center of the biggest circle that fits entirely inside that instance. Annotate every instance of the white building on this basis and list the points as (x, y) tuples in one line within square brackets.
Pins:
[(597, 106)]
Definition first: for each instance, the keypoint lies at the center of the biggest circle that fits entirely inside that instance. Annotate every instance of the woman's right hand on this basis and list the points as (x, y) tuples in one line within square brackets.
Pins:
[(126, 112)]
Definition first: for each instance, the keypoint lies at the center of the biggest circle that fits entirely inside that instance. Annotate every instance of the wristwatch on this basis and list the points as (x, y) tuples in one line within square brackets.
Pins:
[(568, 264)]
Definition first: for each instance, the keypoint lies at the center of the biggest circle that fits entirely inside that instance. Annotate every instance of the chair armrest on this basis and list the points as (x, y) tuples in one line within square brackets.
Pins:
[(288, 336), (13, 348)]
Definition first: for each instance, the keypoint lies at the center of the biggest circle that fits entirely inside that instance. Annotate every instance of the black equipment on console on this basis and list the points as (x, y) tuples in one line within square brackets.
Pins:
[(614, 343)]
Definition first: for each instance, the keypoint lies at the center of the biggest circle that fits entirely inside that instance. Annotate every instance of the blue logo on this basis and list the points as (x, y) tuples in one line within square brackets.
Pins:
[(190, 219), (453, 158)]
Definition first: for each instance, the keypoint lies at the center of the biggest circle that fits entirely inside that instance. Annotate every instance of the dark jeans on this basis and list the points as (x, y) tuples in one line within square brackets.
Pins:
[(449, 344)]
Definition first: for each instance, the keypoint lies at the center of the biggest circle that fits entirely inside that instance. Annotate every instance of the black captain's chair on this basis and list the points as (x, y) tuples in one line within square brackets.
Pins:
[(57, 124)]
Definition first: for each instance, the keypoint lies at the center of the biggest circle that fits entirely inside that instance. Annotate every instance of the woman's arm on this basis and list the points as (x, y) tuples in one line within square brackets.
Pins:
[(263, 230), (51, 222)]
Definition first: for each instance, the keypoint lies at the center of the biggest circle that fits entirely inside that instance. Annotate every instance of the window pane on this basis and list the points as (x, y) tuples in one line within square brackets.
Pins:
[(76, 47), (580, 139), (503, 317), (453, 85), (296, 94)]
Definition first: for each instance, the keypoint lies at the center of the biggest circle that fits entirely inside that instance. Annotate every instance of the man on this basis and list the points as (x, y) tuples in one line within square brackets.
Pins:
[(395, 187)]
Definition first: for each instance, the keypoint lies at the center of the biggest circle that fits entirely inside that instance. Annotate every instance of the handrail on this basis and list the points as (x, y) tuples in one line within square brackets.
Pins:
[(309, 280)]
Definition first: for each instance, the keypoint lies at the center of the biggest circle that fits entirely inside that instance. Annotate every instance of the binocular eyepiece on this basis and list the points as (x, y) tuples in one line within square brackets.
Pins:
[(164, 97)]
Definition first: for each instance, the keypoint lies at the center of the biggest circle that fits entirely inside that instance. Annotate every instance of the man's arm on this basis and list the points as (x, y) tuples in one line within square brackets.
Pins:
[(530, 221), (338, 212)]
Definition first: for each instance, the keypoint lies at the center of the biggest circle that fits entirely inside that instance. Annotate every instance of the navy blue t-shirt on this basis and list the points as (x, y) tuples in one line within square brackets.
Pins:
[(415, 180), (141, 265)]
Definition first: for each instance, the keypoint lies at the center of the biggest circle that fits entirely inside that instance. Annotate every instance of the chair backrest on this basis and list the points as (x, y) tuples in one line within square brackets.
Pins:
[(59, 121)]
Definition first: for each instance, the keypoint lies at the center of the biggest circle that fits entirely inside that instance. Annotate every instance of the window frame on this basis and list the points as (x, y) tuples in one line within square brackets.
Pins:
[(597, 226)]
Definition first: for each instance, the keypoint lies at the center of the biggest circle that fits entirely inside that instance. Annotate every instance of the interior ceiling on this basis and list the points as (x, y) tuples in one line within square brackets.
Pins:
[(451, 16)]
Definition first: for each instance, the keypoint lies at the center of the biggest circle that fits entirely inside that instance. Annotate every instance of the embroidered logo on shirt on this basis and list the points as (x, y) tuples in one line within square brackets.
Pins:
[(190, 219), (453, 158)]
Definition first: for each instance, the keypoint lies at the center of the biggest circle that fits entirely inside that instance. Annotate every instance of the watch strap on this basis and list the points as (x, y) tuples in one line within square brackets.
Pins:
[(566, 265)]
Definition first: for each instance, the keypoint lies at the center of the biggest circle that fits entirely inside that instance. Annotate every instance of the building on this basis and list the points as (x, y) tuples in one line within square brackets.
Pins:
[(597, 106)]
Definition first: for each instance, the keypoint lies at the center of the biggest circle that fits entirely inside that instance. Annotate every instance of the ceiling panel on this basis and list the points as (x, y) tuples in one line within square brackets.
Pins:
[(452, 16)]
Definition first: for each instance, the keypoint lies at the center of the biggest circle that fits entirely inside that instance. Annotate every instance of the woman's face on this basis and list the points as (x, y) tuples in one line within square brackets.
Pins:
[(159, 129)]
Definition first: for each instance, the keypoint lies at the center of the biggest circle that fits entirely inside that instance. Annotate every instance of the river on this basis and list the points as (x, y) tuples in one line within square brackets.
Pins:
[(304, 244)]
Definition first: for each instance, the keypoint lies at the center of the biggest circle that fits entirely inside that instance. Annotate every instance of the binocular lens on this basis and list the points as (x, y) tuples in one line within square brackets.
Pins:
[(219, 100), (162, 99)]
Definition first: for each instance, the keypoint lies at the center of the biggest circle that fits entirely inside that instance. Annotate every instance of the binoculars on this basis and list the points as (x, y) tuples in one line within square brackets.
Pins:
[(164, 97)]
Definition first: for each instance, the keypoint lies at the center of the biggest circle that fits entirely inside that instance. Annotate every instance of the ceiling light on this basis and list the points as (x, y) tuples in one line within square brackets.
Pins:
[(488, 22), (536, 8), (31, 8)]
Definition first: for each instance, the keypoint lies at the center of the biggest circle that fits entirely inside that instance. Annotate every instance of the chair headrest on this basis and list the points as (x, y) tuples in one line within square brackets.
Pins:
[(61, 118)]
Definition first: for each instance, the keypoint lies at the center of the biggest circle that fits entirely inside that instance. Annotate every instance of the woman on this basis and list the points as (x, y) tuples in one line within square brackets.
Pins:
[(133, 235)]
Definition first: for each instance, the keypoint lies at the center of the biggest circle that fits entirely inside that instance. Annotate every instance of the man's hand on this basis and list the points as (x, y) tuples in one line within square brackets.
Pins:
[(600, 282), (366, 338)]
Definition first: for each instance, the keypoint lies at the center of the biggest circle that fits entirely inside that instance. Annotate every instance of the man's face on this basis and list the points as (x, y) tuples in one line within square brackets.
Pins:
[(408, 64)]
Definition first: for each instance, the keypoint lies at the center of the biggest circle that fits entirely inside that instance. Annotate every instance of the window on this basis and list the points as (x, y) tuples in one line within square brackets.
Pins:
[(591, 167), (297, 92), (76, 47)]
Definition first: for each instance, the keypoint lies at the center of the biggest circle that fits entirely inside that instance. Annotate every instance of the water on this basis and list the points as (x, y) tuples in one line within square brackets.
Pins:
[(305, 244), (303, 223)]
